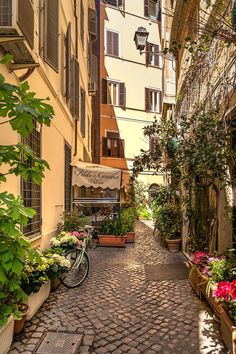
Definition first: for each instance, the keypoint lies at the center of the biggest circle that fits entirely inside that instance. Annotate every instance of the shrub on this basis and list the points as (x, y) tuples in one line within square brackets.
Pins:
[(72, 221)]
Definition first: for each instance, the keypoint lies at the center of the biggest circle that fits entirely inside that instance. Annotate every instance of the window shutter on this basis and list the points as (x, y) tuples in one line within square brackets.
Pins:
[(122, 94), (68, 61), (121, 2), (113, 135), (92, 23), (26, 20), (82, 22), (5, 13), (121, 148), (74, 101), (77, 87), (146, 8), (82, 115), (159, 10), (109, 42), (104, 91), (160, 98), (147, 100), (115, 44), (148, 49), (51, 33), (156, 56), (104, 147)]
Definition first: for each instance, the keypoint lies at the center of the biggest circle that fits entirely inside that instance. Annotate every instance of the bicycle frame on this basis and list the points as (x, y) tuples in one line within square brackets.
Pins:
[(85, 245)]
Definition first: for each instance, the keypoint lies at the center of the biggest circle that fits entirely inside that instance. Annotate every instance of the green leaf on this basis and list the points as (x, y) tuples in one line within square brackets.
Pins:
[(17, 266), (7, 59)]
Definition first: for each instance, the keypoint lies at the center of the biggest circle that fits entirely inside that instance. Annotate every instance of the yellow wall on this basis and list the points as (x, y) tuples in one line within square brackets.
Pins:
[(48, 83)]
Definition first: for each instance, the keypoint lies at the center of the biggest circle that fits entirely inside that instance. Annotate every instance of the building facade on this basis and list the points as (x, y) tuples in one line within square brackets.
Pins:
[(205, 82), (131, 85), (51, 43)]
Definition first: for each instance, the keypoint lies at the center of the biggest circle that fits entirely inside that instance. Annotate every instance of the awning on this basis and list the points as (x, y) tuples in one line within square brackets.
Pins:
[(97, 176)]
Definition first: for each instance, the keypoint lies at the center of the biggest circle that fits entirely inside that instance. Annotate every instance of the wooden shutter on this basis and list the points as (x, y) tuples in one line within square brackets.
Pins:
[(121, 148), (74, 101), (159, 10), (160, 100), (109, 46), (122, 94), (92, 23), (146, 8), (147, 99), (67, 180), (51, 33), (156, 56), (68, 62), (121, 2), (82, 115), (82, 22), (26, 20), (104, 91), (104, 147), (115, 44), (148, 49), (113, 135)]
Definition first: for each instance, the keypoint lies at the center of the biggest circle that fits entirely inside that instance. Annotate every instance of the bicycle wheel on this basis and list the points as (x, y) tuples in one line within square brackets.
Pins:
[(77, 272)]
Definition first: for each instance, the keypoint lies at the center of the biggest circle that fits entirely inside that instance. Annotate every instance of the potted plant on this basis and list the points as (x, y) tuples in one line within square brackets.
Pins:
[(128, 217), (35, 282), (64, 241), (111, 233), (19, 321), (72, 221), (58, 265), (169, 224)]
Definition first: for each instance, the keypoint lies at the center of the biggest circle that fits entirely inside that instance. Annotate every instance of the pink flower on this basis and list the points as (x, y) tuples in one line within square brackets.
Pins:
[(225, 291), (199, 257)]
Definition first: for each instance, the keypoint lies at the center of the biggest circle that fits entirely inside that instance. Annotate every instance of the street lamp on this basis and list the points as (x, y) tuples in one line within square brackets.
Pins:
[(140, 38)]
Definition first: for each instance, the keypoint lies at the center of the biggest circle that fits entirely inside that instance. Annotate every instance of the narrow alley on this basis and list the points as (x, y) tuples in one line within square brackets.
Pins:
[(135, 300)]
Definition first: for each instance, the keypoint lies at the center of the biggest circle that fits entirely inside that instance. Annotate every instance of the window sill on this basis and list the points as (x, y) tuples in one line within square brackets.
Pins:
[(113, 56), (154, 66), (113, 158), (34, 238)]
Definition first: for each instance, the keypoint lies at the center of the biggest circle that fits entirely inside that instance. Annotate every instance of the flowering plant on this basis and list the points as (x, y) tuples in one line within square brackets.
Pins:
[(58, 264), (64, 240), (79, 234), (35, 273), (225, 293)]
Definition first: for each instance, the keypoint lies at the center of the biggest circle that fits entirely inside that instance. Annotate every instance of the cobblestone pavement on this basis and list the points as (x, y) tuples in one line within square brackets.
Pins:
[(118, 310)]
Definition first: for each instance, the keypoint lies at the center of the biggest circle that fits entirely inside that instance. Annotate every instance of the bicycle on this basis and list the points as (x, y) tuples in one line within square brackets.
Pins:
[(79, 261)]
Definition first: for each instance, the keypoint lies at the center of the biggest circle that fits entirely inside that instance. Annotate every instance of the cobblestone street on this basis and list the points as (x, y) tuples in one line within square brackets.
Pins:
[(124, 308)]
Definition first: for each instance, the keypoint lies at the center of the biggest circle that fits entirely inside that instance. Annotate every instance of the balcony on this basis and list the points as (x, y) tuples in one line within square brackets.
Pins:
[(17, 33)]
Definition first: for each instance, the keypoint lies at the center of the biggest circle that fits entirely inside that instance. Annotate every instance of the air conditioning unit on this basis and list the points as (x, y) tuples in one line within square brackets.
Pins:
[(92, 88), (17, 20)]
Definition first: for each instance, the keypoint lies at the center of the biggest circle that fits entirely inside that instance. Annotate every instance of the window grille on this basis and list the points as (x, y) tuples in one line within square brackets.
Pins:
[(5, 12), (31, 192)]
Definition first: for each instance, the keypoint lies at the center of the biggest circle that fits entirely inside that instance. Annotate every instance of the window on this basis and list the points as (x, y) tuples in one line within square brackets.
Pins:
[(82, 22), (112, 43), (115, 3), (51, 37), (152, 58), (152, 9), (114, 93), (31, 192), (83, 123), (153, 100), (113, 146), (67, 181)]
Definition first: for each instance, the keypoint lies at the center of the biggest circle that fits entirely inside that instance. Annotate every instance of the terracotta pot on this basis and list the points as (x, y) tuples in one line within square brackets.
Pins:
[(111, 240), (19, 325), (228, 331), (130, 236), (173, 245), (55, 283)]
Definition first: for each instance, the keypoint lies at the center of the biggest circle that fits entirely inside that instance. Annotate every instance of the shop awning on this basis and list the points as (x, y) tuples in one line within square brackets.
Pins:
[(96, 176)]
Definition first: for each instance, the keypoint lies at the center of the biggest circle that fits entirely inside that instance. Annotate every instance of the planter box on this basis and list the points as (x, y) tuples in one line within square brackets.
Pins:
[(6, 336), (197, 280), (130, 237), (36, 300), (228, 331), (111, 240)]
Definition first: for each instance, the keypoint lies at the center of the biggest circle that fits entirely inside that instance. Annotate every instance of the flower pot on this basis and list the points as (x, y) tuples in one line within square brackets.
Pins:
[(111, 240), (19, 325), (55, 283), (6, 336), (228, 331), (35, 300), (130, 236), (173, 245)]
